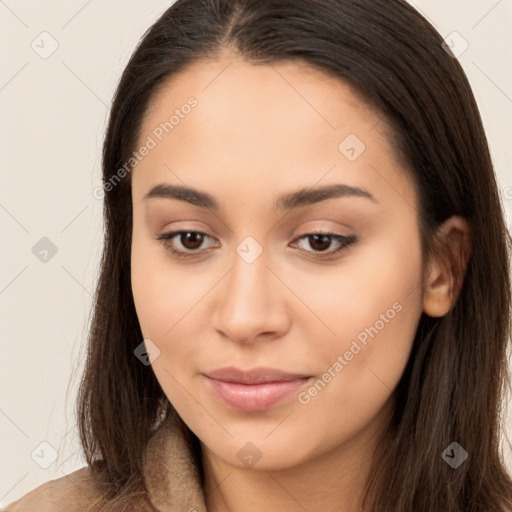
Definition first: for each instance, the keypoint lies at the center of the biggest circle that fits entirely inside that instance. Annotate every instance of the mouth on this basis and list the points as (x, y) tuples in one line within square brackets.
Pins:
[(253, 390)]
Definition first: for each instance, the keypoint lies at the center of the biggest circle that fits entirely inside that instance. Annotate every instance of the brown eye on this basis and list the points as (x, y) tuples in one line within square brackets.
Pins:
[(191, 239), (321, 242), (188, 242)]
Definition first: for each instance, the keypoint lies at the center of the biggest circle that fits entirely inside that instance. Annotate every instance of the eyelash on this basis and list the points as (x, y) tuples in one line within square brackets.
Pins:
[(344, 241)]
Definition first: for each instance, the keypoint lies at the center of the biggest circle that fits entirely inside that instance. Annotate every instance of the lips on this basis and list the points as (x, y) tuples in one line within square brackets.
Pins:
[(253, 390)]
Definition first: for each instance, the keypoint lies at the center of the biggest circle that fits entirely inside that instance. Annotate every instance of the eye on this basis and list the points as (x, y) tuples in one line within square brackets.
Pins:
[(192, 241), (321, 241)]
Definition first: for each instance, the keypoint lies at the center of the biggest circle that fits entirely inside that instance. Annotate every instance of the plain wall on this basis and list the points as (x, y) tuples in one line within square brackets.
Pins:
[(54, 111)]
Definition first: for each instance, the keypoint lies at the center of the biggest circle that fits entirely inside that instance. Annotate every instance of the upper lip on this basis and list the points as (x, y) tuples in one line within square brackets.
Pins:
[(253, 376)]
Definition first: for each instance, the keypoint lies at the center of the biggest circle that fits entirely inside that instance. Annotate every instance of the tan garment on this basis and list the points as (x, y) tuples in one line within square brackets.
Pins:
[(172, 480)]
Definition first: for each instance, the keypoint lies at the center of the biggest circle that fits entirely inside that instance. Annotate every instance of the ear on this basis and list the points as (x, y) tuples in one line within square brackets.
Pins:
[(448, 267)]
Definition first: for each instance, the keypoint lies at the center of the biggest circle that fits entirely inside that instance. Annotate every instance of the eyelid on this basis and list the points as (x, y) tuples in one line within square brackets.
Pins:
[(345, 243), (167, 238)]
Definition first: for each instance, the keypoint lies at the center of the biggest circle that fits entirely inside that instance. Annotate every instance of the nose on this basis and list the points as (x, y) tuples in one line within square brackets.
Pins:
[(252, 303)]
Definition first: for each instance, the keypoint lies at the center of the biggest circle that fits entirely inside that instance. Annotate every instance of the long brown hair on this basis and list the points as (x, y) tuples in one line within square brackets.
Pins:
[(454, 384)]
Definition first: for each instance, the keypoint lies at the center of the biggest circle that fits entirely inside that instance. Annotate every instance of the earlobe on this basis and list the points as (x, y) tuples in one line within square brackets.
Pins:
[(436, 301), (448, 268)]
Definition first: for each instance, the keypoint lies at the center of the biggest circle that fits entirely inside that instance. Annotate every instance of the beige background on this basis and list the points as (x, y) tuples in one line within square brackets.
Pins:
[(54, 113)]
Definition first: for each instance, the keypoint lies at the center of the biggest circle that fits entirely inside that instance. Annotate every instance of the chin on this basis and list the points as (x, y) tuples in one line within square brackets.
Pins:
[(251, 453)]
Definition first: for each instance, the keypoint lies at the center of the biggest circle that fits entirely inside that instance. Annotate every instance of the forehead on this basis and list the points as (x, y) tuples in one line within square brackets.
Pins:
[(235, 88), (266, 125)]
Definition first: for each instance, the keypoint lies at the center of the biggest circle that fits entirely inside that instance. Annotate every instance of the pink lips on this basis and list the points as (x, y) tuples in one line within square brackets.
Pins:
[(253, 390)]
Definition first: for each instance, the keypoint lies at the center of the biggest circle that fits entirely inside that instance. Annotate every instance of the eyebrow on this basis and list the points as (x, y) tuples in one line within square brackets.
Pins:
[(290, 201)]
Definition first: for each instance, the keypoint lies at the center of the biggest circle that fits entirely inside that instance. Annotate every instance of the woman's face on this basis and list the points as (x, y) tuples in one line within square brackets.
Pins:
[(255, 287)]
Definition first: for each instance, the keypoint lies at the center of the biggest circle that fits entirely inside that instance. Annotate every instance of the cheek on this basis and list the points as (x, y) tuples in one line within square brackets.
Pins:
[(367, 287), (168, 302), (162, 302), (374, 307), (362, 374), (154, 286), (146, 287)]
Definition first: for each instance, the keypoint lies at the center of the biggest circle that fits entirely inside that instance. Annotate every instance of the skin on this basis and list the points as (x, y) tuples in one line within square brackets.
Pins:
[(257, 132)]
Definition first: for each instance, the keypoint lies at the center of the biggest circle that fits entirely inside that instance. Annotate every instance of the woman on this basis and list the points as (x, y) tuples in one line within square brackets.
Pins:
[(304, 298)]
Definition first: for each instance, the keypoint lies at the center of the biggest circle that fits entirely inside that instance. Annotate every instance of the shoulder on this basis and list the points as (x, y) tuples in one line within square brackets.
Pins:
[(70, 493)]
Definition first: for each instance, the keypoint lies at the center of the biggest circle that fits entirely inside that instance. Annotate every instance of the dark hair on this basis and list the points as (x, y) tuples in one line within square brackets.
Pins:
[(454, 384)]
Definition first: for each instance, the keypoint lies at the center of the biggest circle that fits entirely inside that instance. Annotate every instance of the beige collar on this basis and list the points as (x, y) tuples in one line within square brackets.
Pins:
[(172, 478)]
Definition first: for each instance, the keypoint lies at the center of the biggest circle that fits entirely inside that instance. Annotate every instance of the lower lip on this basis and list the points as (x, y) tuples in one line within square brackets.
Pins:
[(254, 397)]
